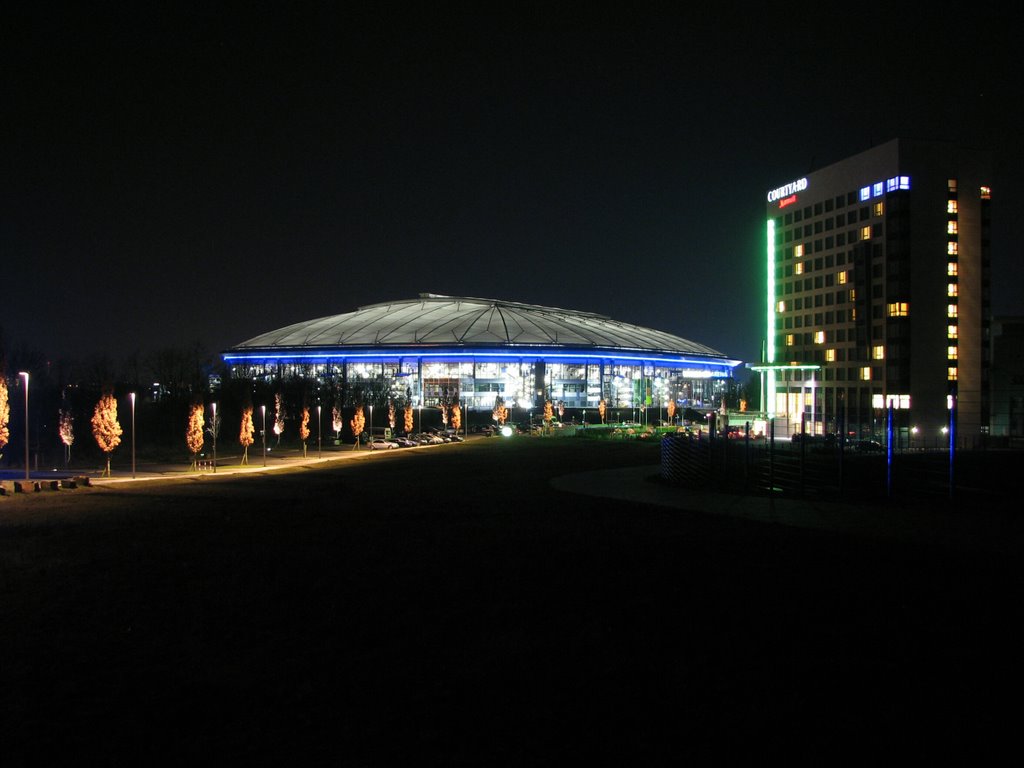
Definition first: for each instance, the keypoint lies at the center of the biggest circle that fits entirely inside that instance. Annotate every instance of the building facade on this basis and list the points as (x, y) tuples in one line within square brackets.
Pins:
[(436, 349), (878, 294)]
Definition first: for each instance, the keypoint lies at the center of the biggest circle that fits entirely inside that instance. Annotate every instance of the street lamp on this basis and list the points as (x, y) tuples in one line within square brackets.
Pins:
[(319, 441), (371, 424), (263, 409), (213, 429), (25, 374), (132, 397)]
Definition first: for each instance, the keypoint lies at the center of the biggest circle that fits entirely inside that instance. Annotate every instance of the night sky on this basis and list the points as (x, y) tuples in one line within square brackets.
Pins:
[(198, 175)]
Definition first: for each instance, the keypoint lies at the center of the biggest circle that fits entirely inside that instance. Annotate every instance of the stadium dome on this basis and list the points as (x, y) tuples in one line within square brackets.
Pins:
[(482, 348)]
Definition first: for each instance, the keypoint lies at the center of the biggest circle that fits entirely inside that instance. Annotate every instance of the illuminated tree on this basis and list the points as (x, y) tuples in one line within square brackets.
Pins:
[(671, 408), (549, 413), (278, 416), (601, 409), (337, 422), (444, 415), (245, 436), (358, 423), (5, 412), (407, 413), (391, 414), (66, 429), (500, 412), (304, 429), (105, 427), (194, 433), (456, 417)]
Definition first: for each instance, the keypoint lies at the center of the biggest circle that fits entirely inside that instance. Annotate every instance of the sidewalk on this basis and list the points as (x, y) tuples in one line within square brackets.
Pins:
[(960, 530)]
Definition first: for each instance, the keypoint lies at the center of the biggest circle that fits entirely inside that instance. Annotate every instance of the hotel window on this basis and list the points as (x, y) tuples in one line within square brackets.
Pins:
[(781, 307), (865, 193), (951, 289), (830, 355), (951, 353), (878, 352), (951, 269), (789, 339), (798, 250), (865, 233), (986, 193), (951, 227), (798, 269), (951, 332), (951, 206), (951, 248), (853, 314), (819, 337), (951, 185), (951, 373), (951, 310), (878, 209), (842, 277), (899, 309), (853, 294), (865, 373)]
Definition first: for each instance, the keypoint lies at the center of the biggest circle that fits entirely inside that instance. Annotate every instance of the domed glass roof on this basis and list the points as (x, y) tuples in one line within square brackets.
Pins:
[(433, 321)]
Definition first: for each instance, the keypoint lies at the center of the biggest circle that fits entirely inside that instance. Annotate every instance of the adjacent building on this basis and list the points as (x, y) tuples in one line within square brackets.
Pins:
[(878, 293)]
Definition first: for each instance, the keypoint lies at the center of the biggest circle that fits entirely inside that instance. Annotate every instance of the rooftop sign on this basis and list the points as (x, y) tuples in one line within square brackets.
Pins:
[(787, 189)]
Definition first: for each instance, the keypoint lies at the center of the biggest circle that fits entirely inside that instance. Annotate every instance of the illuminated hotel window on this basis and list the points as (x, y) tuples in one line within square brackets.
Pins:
[(853, 294), (951, 269), (899, 309), (951, 373), (853, 314), (781, 307), (951, 310), (865, 193), (865, 373), (789, 339), (951, 184), (951, 353), (819, 337), (830, 355), (878, 209), (842, 277), (951, 332), (865, 233), (951, 206), (986, 193), (951, 227), (798, 250), (878, 352), (877, 189), (798, 268), (951, 289), (951, 248)]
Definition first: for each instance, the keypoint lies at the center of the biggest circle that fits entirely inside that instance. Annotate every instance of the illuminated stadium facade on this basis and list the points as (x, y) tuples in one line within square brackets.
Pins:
[(436, 349)]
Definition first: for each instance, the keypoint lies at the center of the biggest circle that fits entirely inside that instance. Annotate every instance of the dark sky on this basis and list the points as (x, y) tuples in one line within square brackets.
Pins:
[(203, 175)]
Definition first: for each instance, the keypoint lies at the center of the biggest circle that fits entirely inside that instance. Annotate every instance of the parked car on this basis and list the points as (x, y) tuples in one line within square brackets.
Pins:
[(379, 443), (867, 446), (404, 442)]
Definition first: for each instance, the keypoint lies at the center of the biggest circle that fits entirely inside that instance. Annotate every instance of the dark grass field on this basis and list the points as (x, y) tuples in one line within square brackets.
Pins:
[(448, 607)]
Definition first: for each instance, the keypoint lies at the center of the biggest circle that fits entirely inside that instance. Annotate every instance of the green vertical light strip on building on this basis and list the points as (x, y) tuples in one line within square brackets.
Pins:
[(770, 328)]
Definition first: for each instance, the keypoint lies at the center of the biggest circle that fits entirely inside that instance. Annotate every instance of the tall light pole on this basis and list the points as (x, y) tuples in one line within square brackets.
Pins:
[(25, 374), (319, 441), (132, 397), (263, 409), (371, 424), (214, 430)]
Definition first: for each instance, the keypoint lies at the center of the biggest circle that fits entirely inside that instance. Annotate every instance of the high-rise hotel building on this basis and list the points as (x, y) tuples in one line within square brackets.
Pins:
[(878, 292)]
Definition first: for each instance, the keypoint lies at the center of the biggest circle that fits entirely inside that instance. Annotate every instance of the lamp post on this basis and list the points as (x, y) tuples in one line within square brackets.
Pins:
[(371, 424), (131, 396), (25, 374), (263, 410), (421, 415), (213, 428), (319, 441)]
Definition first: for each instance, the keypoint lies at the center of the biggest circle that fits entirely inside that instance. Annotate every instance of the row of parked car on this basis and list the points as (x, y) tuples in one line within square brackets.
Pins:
[(437, 437)]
